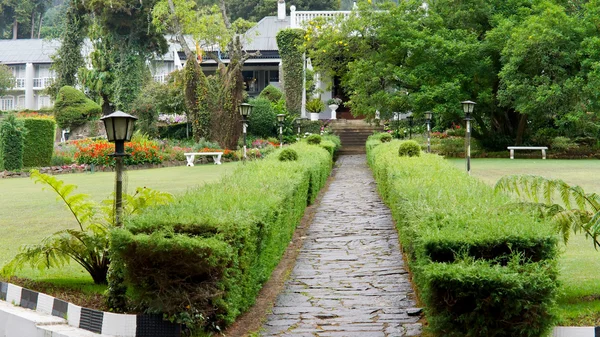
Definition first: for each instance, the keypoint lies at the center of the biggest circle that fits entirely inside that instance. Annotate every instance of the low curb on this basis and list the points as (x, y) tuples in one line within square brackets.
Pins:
[(567, 331), (105, 323)]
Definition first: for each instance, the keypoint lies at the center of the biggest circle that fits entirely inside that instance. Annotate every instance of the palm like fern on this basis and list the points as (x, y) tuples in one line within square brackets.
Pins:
[(87, 245), (569, 207)]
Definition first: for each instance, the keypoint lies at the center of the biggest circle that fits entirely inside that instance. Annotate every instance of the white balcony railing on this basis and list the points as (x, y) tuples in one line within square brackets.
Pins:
[(42, 82), (161, 78), (20, 83), (299, 18)]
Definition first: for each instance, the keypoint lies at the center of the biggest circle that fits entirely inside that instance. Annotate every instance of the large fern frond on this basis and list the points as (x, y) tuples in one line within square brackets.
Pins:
[(79, 204)]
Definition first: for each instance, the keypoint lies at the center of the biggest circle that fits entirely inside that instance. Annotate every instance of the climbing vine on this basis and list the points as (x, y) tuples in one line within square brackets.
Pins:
[(289, 42)]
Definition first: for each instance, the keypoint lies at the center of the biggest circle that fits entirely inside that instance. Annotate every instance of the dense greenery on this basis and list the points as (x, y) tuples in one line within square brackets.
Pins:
[(39, 141), (22, 19), (271, 93), (288, 155), (263, 119), (481, 269), (313, 139), (408, 148), (289, 42), (531, 66), (73, 108), (12, 138), (223, 256), (7, 80)]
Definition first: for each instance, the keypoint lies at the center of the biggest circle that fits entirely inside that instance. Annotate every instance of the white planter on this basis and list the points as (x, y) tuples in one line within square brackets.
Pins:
[(314, 116), (333, 108)]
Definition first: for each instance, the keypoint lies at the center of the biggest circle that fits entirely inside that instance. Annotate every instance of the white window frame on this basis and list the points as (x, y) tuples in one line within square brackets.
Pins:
[(4, 103)]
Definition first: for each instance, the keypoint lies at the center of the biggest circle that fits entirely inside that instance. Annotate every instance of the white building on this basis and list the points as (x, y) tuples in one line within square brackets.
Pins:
[(30, 62)]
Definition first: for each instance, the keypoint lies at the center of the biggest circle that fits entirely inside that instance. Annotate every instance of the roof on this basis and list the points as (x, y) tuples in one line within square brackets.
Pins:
[(263, 36), (27, 51)]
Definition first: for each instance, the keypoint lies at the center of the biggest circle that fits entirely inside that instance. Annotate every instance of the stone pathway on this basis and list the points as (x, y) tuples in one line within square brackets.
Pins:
[(349, 279)]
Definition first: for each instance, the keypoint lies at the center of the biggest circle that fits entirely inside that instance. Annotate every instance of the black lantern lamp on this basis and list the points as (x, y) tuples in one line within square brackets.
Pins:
[(298, 122), (245, 111), (468, 107), (281, 119), (428, 116), (119, 129), (410, 125)]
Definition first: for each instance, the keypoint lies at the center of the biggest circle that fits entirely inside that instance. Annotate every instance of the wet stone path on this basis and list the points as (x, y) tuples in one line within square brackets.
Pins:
[(349, 279)]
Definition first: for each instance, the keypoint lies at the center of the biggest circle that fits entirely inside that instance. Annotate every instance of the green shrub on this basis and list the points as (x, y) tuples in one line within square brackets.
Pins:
[(385, 137), (12, 138), (73, 108), (562, 144), (409, 148), (271, 93), (315, 105), (209, 252), (334, 139), (313, 139), (39, 141), (263, 119), (482, 269), (288, 155)]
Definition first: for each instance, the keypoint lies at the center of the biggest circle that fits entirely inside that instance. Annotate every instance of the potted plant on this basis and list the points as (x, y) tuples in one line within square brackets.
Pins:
[(315, 106), (334, 104)]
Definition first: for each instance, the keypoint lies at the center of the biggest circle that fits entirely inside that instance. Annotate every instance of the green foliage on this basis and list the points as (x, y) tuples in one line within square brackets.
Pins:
[(271, 93), (12, 140), (288, 154), (7, 80), (203, 258), (562, 144), (315, 105), (73, 108), (481, 269), (289, 42), (263, 119), (385, 137), (313, 139), (568, 207), (409, 148), (88, 244), (39, 141)]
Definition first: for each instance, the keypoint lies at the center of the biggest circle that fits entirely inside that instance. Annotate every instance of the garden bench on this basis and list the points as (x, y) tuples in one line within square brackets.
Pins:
[(513, 148), (191, 155)]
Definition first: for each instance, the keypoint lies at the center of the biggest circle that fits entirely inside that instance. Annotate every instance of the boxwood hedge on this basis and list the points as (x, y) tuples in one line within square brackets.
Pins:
[(203, 258), (481, 268), (39, 141)]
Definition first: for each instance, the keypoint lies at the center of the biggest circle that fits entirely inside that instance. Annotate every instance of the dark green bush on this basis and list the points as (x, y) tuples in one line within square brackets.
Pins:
[(288, 155), (409, 148), (39, 141), (12, 138), (73, 108), (263, 119), (385, 137), (175, 131), (271, 93), (481, 269), (210, 251), (313, 139)]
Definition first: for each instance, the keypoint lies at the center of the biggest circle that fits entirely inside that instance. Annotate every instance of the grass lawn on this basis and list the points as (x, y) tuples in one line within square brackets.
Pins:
[(579, 263), (28, 214)]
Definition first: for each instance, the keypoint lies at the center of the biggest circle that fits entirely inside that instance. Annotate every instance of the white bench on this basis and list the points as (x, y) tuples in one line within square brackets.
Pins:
[(191, 155), (513, 148)]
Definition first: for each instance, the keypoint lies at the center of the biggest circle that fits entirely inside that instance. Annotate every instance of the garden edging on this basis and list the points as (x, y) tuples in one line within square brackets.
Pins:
[(57, 317), (571, 331)]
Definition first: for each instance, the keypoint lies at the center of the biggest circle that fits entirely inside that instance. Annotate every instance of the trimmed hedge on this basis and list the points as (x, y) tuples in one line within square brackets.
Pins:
[(12, 136), (39, 141), (208, 253), (73, 108), (263, 119), (481, 269)]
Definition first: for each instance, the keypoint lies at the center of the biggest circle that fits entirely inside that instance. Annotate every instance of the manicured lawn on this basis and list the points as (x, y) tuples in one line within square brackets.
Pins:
[(580, 262), (28, 214)]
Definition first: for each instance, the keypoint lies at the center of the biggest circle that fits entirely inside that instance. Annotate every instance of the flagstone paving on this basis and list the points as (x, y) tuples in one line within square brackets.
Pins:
[(349, 279)]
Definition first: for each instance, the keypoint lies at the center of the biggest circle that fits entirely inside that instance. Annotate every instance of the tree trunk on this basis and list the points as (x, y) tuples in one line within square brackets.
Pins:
[(106, 108), (32, 24), (40, 25), (521, 129), (15, 28)]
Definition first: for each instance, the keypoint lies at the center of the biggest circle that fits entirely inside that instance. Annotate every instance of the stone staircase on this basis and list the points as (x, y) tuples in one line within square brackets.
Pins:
[(353, 134)]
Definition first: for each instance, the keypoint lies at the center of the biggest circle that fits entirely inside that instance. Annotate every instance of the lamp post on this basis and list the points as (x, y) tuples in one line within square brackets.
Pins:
[(428, 115), (119, 129), (280, 119), (245, 111), (298, 122), (410, 124), (397, 123), (468, 107)]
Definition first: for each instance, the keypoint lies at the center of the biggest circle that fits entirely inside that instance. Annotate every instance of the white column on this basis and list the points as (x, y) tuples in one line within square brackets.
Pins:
[(281, 10), (29, 99)]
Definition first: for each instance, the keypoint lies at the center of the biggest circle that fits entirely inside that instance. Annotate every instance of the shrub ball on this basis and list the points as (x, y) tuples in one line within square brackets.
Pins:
[(409, 148), (313, 139), (385, 137), (288, 155)]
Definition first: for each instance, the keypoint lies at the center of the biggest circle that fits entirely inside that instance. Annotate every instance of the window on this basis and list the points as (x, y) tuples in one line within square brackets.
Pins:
[(7, 103), (44, 102), (21, 102), (273, 76), (250, 81)]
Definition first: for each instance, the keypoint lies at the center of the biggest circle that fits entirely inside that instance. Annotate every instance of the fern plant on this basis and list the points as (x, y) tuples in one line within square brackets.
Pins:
[(569, 207), (88, 244)]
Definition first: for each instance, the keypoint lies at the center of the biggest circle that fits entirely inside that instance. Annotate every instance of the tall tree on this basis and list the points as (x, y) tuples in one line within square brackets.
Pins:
[(7, 80)]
